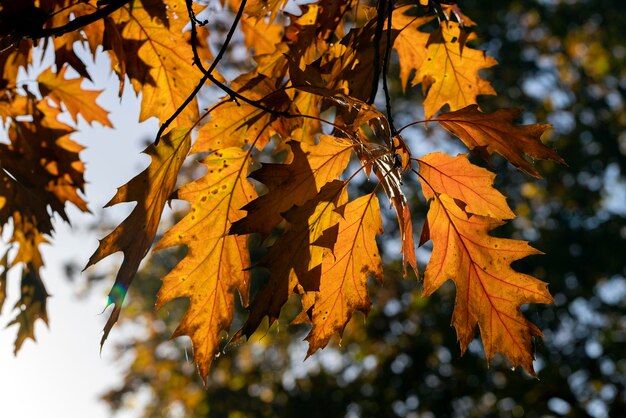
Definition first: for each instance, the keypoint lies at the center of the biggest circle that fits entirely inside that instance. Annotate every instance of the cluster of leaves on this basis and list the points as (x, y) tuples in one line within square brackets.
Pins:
[(308, 98)]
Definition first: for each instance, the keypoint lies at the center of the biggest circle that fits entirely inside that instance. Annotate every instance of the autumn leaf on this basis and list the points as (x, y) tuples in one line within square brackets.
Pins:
[(31, 305), (461, 180), (489, 292), (75, 99), (148, 41), (410, 43), (216, 263), (234, 124), (151, 189), (343, 280), (486, 133), (293, 184), (261, 36), (449, 75), (294, 260)]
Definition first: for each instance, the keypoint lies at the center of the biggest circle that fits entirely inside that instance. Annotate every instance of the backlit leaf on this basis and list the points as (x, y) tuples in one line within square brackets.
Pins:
[(489, 292), (76, 99), (457, 178), (216, 263), (293, 184), (449, 74), (345, 269)]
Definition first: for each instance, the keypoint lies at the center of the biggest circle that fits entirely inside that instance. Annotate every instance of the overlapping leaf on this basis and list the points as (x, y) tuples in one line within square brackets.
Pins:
[(234, 124), (216, 263), (486, 133), (295, 259), (343, 283), (157, 59), (293, 184)]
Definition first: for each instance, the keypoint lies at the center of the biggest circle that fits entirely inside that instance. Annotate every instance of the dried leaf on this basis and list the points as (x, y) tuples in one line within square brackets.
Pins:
[(487, 133)]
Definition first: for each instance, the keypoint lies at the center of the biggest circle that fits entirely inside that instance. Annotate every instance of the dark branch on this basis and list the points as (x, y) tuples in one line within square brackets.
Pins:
[(386, 69), (380, 21), (78, 22)]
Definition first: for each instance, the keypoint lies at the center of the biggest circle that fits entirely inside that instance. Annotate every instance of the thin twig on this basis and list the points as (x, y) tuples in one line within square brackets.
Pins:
[(207, 73)]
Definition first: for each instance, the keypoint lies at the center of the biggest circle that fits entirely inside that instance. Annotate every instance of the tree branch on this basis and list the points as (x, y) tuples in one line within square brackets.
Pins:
[(386, 69), (78, 22), (380, 21)]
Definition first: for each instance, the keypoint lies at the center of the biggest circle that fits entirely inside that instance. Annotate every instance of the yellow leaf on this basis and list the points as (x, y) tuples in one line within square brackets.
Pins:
[(261, 36), (450, 72), (76, 99), (486, 133), (151, 189), (409, 42), (488, 291), (343, 283), (461, 180), (239, 124), (215, 264)]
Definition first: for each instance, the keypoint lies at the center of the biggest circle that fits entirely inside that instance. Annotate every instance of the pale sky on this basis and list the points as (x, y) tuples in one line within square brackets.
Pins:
[(62, 374)]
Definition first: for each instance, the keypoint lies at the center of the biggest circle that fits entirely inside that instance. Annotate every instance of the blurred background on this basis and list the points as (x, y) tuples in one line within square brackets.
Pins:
[(562, 62)]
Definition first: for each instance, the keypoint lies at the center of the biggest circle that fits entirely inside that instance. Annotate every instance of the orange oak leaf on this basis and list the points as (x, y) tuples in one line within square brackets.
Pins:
[(293, 184), (486, 133), (75, 99), (294, 260), (449, 74), (157, 59), (216, 263), (461, 180), (151, 189), (260, 8), (410, 43), (488, 291), (343, 282)]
